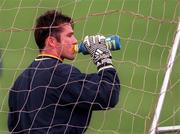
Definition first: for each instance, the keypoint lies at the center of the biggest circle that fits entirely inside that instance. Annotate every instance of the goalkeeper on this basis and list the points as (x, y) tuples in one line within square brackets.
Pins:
[(56, 98)]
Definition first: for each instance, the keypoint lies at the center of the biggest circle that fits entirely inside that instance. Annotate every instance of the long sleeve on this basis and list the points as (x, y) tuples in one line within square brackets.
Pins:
[(98, 90)]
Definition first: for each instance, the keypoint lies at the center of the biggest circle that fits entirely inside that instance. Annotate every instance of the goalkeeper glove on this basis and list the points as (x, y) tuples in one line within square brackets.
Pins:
[(101, 56)]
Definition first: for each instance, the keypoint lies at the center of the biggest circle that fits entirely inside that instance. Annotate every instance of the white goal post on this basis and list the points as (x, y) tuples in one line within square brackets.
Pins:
[(154, 127), (168, 129)]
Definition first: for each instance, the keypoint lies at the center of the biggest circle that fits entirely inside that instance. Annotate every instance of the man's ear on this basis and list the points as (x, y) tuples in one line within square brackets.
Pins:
[(51, 41)]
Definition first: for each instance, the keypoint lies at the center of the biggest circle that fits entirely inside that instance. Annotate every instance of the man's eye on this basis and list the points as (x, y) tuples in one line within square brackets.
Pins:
[(69, 35)]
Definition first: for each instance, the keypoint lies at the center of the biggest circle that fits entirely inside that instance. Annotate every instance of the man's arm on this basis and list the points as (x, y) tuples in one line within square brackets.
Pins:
[(97, 91)]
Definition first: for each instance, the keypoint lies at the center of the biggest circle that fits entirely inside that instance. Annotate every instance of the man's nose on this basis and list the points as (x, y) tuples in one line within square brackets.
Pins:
[(75, 40)]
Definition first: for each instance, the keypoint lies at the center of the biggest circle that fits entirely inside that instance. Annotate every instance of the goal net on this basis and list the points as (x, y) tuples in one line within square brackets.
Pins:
[(147, 30)]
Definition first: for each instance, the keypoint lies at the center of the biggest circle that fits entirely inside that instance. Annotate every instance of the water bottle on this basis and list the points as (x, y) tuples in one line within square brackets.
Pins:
[(112, 43)]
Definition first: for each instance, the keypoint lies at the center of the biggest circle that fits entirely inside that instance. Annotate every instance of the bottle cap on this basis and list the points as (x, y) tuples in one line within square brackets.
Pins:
[(76, 48)]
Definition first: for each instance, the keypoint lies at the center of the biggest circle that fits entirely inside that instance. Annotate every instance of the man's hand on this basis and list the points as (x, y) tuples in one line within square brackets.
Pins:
[(101, 56)]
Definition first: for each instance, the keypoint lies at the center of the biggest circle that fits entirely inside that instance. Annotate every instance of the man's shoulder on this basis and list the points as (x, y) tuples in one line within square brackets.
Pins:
[(68, 68)]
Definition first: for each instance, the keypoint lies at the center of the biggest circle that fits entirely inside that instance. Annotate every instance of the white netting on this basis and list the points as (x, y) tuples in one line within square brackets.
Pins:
[(146, 28)]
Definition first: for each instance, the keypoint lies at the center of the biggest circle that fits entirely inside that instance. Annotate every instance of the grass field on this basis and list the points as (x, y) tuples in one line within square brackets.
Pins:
[(146, 28)]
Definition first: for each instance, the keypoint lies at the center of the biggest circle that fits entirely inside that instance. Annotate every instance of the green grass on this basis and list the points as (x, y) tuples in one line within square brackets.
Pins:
[(146, 29)]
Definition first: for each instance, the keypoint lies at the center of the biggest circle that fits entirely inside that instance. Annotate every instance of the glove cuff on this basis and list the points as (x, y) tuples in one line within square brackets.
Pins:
[(105, 63), (105, 67)]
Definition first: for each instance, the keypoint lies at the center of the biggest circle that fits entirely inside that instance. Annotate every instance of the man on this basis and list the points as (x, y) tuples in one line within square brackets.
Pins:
[(56, 98)]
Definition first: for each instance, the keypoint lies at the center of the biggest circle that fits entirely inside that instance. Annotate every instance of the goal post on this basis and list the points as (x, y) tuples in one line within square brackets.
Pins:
[(167, 129), (154, 127)]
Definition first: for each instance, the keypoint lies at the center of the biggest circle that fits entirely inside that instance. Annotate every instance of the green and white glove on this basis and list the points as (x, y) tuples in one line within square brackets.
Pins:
[(101, 56)]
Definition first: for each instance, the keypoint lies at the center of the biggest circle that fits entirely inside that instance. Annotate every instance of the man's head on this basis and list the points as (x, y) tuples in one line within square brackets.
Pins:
[(54, 34)]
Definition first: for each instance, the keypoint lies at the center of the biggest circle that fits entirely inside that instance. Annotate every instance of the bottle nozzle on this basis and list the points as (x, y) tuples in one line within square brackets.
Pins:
[(76, 48)]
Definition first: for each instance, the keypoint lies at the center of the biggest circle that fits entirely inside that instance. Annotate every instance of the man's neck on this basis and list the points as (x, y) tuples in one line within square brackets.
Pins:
[(51, 54)]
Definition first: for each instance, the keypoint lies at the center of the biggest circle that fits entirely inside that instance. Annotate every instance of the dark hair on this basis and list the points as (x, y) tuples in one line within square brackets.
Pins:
[(49, 24)]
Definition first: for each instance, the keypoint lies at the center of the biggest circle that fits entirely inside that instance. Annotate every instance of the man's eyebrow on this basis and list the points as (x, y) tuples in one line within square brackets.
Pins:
[(70, 33)]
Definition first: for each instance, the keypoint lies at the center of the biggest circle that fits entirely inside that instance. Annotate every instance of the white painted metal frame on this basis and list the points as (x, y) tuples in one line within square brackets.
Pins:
[(154, 126), (169, 129)]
